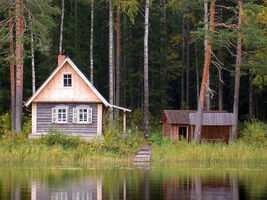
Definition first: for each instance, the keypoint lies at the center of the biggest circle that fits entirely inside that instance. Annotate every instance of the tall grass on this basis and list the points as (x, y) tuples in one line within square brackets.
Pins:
[(57, 148), (181, 152)]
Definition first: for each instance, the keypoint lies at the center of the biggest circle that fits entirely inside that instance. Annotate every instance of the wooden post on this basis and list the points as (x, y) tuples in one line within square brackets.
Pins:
[(187, 133), (124, 122)]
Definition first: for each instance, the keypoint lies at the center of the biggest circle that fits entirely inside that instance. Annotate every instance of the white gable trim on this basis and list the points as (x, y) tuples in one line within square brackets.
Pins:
[(120, 108), (81, 75)]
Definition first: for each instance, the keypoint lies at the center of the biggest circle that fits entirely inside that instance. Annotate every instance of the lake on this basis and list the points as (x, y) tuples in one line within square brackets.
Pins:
[(200, 183)]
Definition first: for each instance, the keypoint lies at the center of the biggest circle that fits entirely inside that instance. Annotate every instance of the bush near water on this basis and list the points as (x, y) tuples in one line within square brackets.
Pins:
[(58, 147)]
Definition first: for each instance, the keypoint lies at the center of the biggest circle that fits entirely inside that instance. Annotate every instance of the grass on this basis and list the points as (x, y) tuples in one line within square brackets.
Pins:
[(181, 152), (32, 152), (57, 149)]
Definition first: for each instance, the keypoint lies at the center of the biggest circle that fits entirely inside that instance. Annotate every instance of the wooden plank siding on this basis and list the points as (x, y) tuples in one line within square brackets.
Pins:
[(44, 121), (214, 133)]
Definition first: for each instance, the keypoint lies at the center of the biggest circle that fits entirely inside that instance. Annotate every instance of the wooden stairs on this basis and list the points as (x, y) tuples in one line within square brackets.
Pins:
[(144, 155)]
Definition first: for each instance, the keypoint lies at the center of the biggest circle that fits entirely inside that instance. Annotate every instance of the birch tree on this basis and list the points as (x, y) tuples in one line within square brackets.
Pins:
[(111, 60), (118, 65), (32, 60), (92, 43), (146, 86)]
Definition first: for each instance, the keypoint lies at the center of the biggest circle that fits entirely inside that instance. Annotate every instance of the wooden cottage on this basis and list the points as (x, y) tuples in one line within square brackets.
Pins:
[(67, 101), (216, 125)]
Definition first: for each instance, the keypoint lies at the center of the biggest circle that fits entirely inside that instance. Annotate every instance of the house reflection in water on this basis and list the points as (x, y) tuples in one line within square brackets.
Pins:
[(193, 187), (87, 189)]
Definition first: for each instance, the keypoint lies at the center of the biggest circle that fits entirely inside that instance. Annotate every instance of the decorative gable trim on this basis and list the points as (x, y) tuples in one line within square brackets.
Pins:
[(80, 74)]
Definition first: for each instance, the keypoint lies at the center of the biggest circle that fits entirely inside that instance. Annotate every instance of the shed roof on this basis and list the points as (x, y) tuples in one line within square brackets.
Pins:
[(182, 116), (213, 119)]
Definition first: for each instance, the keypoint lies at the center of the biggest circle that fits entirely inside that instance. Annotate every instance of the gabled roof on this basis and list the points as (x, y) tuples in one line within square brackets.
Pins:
[(183, 116), (78, 72)]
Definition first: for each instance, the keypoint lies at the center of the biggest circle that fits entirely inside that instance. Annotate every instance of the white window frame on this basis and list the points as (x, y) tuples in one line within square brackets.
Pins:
[(76, 114), (55, 113), (67, 73)]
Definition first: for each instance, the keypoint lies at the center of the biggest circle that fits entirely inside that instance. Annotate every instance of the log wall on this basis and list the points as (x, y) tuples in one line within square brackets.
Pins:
[(44, 119)]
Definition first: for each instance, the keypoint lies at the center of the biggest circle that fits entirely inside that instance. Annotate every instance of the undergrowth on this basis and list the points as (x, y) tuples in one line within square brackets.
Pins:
[(60, 148), (114, 149), (250, 147)]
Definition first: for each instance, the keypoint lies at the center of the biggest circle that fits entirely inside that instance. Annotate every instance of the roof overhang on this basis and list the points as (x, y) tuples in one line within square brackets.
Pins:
[(120, 108)]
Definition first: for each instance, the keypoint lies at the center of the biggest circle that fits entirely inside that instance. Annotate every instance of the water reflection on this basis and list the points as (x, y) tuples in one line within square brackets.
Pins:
[(168, 184), (200, 189)]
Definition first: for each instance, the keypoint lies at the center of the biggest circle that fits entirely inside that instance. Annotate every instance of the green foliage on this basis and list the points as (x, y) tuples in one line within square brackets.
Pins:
[(55, 137), (27, 125), (137, 117), (176, 152), (156, 138), (5, 123), (184, 106), (254, 133)]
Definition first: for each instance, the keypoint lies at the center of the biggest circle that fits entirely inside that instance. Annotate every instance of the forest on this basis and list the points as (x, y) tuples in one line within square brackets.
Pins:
[(148, 56)]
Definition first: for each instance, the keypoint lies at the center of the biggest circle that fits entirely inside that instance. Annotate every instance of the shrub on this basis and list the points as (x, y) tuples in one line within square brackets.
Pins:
[(156, 138), (5, 123), (55, 137), (27, 125), (254, 132)]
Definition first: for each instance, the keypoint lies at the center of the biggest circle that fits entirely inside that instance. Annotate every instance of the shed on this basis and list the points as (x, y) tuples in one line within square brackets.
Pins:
[(68, 101), (216, 125)]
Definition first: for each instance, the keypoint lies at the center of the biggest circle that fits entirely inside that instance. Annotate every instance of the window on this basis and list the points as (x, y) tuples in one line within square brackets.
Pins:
[(67, 82), (60, 114), (82, 114)]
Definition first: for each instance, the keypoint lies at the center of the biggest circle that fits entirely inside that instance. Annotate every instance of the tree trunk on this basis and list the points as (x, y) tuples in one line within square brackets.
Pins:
[(201, 101), (33, 64), (220, 72), (251, 113), (183, 55), (146, 87), (220, 85), (187, 62), (206, 27), (111, 62), (12, 74), (92, 43), (76, 22), (61, 28), (163, 67), (124, 58), (19, 64), (197, 71), (118, 64), (237, 76), (220, 93)]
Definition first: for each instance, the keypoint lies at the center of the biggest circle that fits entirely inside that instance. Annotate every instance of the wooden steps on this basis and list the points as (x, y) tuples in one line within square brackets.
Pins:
[(144, 155)]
